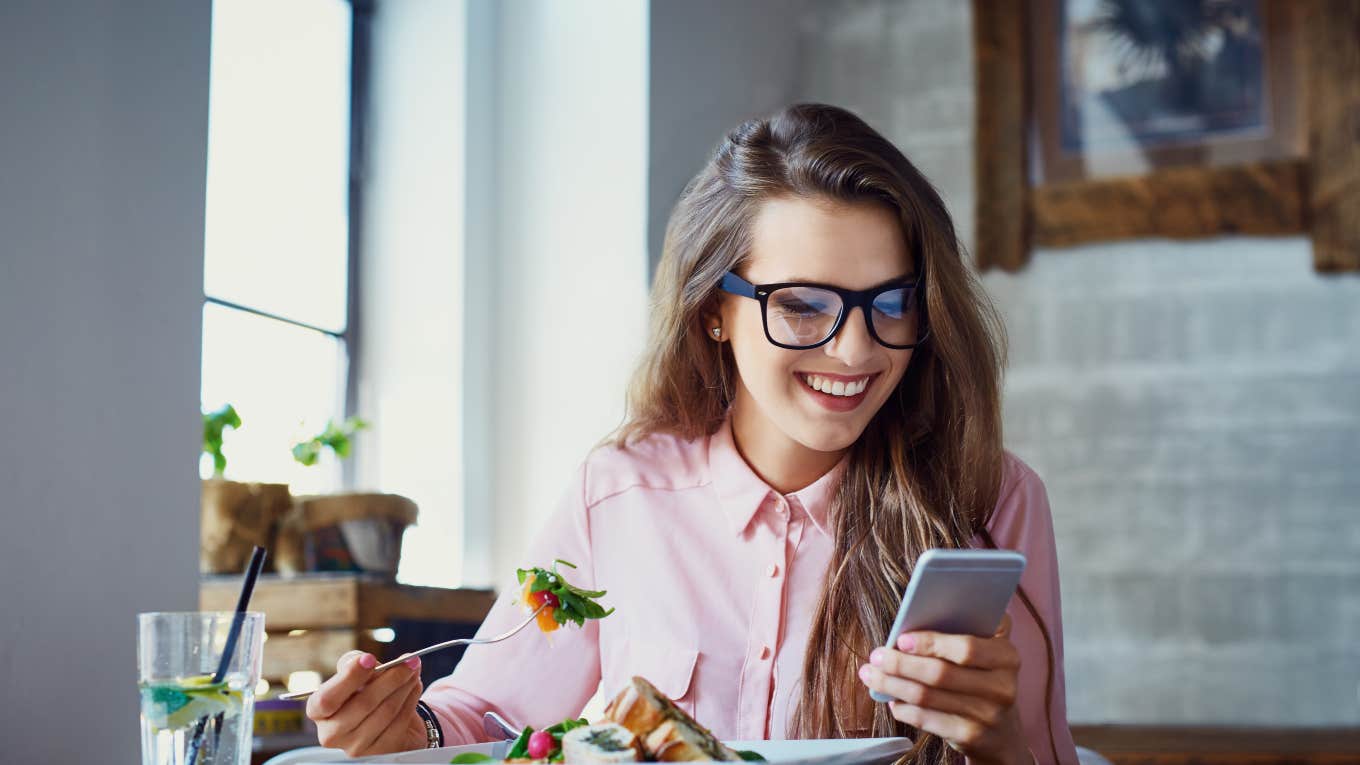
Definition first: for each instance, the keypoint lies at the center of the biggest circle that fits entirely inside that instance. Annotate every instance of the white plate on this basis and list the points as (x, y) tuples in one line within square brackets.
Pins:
[(848, 751)]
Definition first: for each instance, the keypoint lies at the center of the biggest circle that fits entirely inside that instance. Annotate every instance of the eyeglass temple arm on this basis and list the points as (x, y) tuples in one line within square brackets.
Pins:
[(737, 285)]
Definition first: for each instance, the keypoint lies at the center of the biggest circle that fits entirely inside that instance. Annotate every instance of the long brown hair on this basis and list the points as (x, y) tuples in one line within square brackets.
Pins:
[(926, 472)]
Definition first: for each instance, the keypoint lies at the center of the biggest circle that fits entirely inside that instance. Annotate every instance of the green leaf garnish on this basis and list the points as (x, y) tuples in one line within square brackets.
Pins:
[(521, 746), (468, 758), (749, 756), (566, 725), (575, 605)]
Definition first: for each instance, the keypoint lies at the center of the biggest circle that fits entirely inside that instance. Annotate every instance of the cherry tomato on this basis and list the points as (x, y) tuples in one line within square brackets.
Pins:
[(540, 744), (537, 599), (546, 621)]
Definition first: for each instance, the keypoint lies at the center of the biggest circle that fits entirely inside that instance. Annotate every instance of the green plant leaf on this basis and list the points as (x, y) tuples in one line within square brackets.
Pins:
[(307, 452), (214, 423), (336, 437)]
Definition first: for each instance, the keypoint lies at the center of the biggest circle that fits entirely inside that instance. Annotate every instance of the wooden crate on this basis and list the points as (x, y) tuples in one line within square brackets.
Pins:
[(313, 619)]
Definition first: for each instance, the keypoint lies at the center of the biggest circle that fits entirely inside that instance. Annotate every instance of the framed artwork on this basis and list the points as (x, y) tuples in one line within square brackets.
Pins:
[(1124, 87), (1115, 119)]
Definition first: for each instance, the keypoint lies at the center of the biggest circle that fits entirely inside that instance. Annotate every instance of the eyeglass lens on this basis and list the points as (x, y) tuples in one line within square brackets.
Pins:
[(805, 316)]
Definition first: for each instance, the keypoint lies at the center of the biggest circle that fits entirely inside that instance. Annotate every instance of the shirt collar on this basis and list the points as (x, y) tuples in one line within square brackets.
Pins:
[(742, 493)]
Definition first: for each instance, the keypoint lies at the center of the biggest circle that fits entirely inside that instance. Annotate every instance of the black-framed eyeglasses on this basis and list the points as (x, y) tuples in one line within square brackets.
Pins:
[(802, 315)]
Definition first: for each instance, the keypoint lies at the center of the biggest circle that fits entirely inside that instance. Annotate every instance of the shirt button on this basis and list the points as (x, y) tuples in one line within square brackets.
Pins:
[(773, 570), (764, 652)]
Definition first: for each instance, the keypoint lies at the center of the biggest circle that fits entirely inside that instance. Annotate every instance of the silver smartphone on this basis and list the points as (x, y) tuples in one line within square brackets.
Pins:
[(960, 592)]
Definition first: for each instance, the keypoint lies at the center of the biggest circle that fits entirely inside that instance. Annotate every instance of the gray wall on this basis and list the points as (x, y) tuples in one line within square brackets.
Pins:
[(713, 64), (1194, 409), (102, 155)]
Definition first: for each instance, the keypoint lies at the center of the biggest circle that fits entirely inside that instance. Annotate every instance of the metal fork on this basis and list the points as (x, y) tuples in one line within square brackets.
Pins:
[(432, 649), (496, 726)]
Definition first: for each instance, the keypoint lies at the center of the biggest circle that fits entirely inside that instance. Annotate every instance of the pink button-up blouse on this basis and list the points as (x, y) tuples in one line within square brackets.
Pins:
[(715, 578)]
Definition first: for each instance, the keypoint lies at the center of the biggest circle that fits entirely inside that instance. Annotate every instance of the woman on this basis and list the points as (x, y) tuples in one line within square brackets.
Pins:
[(819, 403)]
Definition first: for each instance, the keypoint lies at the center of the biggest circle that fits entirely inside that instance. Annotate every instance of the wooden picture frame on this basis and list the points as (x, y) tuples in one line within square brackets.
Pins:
[(1317, 194)]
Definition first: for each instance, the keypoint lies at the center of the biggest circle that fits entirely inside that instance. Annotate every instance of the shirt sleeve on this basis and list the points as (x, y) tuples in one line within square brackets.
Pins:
[(534, 678), (1023, 522)]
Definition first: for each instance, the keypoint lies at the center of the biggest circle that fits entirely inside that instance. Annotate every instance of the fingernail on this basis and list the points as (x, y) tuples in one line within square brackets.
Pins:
[(876, 656), (907, 643), (864, 673), (413, 663), (368, 661)]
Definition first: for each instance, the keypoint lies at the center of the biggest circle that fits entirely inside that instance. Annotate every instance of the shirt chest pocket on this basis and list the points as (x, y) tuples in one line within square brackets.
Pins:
[(666, 664)]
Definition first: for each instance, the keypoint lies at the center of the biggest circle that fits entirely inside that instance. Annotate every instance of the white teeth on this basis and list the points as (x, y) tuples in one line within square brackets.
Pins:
[(836, 387)]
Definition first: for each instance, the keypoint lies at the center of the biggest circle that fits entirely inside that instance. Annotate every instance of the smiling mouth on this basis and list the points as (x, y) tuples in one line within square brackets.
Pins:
[(843, 387)]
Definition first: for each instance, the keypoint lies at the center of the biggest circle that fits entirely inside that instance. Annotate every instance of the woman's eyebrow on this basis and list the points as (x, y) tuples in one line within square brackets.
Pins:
[(909, 276)]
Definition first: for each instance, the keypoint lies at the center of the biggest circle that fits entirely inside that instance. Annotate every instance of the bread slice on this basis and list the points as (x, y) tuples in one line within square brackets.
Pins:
[(604, 742), (667, 733), (638, 707), (685, 741)]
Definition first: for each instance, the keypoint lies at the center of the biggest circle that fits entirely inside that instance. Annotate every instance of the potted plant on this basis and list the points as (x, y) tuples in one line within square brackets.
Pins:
[(350, 531), (235, 516)]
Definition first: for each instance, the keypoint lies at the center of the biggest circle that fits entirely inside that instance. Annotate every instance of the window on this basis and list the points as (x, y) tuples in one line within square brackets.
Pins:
[(277, 333)]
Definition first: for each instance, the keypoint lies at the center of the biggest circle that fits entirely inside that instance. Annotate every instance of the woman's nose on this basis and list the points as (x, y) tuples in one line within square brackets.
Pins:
[(853, 344)]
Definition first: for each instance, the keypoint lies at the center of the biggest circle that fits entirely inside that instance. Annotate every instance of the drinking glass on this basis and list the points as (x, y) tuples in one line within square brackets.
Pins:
[(187, 719)]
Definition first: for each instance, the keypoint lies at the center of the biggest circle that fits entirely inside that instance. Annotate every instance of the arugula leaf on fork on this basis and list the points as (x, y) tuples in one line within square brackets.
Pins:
[(565, 602)]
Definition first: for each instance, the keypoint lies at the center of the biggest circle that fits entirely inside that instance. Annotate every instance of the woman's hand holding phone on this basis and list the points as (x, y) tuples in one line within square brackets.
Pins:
[(960, 687)]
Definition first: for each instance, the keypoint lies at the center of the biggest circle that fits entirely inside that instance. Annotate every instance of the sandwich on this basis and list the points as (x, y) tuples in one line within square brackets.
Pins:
[(667, 733)]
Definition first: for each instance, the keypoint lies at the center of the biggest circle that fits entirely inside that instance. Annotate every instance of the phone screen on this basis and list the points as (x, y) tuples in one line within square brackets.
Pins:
[(958, 592)]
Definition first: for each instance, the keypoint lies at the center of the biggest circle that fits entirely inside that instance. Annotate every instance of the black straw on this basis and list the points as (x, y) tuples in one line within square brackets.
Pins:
[(247, 587)]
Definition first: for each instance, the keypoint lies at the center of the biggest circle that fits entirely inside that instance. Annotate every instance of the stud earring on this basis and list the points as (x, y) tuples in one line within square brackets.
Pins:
[(717, 332)]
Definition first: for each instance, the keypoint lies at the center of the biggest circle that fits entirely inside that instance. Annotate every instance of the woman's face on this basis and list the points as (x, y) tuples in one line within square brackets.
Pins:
[(854, 246)]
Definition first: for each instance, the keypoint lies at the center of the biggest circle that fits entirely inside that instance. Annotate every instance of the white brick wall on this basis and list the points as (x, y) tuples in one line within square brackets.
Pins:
[(1194, 409)]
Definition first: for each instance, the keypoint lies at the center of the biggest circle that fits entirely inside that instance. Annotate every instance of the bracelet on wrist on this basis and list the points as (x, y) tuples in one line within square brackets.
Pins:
[(434, 733)]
